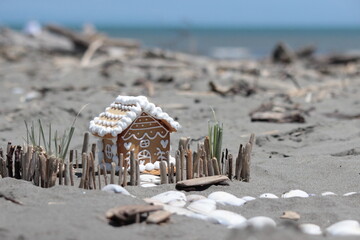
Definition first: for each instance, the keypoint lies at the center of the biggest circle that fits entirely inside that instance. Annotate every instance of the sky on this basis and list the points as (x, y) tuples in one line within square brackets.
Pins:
[(243, 13)]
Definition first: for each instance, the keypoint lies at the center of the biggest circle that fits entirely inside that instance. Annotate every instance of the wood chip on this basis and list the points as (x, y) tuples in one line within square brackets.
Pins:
[(201, 183), (128, 214), (158, 217), (290, 215)]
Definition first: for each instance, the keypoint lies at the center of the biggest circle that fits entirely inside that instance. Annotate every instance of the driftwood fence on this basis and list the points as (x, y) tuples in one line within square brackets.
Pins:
[(32, 164)]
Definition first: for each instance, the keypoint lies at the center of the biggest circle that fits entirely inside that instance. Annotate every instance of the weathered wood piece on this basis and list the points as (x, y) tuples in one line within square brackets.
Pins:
[(132, 169), (9, 159), (230, 172), (17, 165), (189, 164), (163, 174), (85, 143), (99, 175), (245, 171), (216, 166), (201, 183), (210, 167), (178, 166), (158, 217), (124, 215), (137, 173), (112, 173), (120, 165)]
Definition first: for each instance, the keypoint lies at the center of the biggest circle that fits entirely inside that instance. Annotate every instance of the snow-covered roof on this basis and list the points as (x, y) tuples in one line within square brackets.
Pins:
[(123, 112)]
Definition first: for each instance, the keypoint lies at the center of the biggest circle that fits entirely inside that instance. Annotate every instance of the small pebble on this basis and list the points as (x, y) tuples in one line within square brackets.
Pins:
[(349, 194), (115, 189), (226, 198), (226, 218), (268, 195), (295, 193), (328, 194), (344, 228), (310, 229)]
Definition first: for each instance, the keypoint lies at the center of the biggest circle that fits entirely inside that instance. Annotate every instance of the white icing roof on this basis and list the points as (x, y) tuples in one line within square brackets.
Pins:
[(123, 112)]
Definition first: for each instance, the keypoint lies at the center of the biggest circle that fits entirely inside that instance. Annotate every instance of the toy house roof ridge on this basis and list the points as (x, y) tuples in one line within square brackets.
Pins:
[(123, 112)]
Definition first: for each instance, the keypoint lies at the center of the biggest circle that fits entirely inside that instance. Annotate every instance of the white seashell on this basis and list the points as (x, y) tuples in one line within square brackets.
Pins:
[(167, 197), (349, 194), (149, 178), (344, 228), (177, 203), (157, 165), (194, 197), (226, 198), (268, 195), (310, 229), (295, 193), (328, 194), (226, 218), (261, 222), (149, 167), (115, 189), (146, 185), (178, 210), (248, 198), (202, 206), (142, 167)]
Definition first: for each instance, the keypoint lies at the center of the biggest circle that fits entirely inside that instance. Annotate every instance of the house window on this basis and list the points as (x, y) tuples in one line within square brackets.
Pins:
[(144, 156), (144, 143), (108, 153)]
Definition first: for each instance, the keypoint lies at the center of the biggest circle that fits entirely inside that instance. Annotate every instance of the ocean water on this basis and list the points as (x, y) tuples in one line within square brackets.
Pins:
[(240, 42)]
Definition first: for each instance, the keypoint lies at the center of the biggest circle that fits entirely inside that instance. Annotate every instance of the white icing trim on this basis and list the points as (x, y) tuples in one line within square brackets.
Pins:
[(145, 135), (139, 104)]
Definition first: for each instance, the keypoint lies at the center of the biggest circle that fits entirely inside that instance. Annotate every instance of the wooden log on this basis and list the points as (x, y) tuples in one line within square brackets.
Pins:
[(9, 159), (99, 175), (137, 177), (112, 175), (17, 164), (158, 217), (85, 143), (43, 170), (132, 169), (163, 175), (60, 173), (239, 163), (200, 183), (216, 166), (67, 174), (230, 173), (189, 164), (245, 172), (178, 165), (210, 167), (120, 165)]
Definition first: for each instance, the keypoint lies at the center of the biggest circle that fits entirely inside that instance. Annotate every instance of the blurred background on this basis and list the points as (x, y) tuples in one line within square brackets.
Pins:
[(221, 29)]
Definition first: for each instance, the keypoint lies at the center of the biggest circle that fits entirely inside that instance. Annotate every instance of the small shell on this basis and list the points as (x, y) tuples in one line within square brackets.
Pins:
[(295, 193), (142, 167), (202, 206), (344, 228), (167, 197), (248, 198), (194, 197), (226, 218), (261, 222), (349, 194), (328, 194), (149, 167), (310, 229), (268, 195), (226, 198), (115, 189), (157, 165), (177, 203), (148, 178), (146, 185)]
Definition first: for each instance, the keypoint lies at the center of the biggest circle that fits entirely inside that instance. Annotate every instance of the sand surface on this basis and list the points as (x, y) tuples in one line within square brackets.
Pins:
[(316, 156)]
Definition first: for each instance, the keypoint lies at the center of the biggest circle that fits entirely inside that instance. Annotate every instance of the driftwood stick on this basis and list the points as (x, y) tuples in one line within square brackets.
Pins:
[(201, 168), (76, 159), (93, 149), (99, 175), (207, 148), (37, 171), (43, 170), (245, 173), (137, 176), (163, 175), (71, 156), (189, 164), (172, 172), (85, 143), (26, 162), (168, 167), (120, 164), (223, 168), (89, 172), (60, 173), (216, 166), (9, 159), (83, 174), (205, 167), (31, 167), (104, 172), (112, 173), (3, 167), (125, 181), (210, 167), (67, 173), (71, 172), (92, 157), (132, 169), (178, 166), (17, 164), (230, 173), (183, 163), (239, 163)]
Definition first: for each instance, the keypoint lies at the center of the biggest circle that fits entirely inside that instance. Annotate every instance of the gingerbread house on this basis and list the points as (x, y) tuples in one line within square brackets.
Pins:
[(133, 124)]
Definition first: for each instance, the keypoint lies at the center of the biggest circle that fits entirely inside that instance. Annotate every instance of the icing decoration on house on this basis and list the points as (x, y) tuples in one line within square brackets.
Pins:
[(133, 124)]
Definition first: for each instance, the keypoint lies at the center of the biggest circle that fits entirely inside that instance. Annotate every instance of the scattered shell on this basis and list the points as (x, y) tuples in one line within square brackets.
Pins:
[(310, 229), (148, 178), (295, 193), (268, 195), (146, 185), (178, 210), (142, 167), (261, 222), (194, 197), (328, 194), (248, 198), (149, 167), (290, 215), (157, 165), (344, 228), (349, 194), (202, 206), (226, 218), (226, 198), (116, 189), (177, 203), (167, 197)]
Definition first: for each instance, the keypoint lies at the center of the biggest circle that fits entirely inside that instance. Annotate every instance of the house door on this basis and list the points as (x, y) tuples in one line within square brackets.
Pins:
[(144, 157)]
